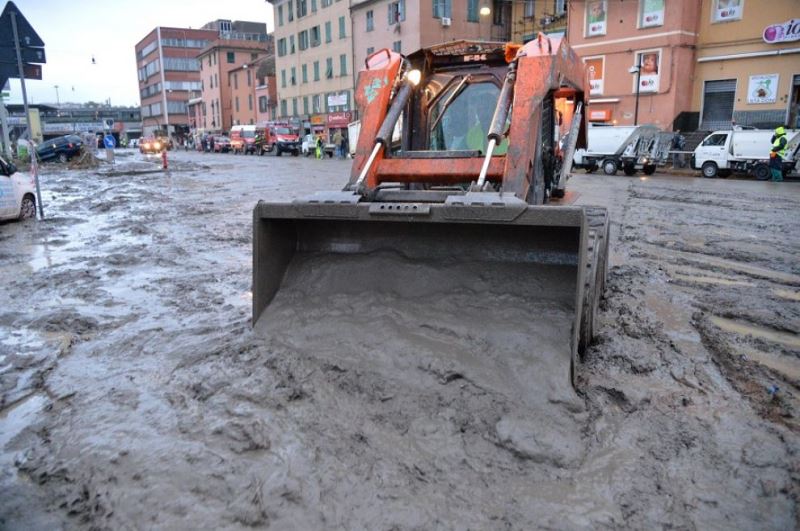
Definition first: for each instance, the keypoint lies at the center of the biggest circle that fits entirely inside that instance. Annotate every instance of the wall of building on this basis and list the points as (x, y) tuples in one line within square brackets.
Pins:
[(548, 16), (612, 37), (296, 96), (735, 49)]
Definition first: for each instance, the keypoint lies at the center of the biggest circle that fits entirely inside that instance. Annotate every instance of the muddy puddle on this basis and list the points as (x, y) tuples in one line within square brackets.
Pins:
[(136, 394)]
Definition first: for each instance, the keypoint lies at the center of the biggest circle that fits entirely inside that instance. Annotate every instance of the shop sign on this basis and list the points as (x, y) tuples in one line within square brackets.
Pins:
[(318, 119), (594, 67), (339, 119), (600, 116), (763, 89), (335, 100), (784, 32)]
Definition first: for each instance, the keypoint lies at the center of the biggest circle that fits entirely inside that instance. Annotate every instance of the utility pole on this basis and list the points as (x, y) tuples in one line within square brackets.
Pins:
[(4, 126), (57, 102), (31, 148)]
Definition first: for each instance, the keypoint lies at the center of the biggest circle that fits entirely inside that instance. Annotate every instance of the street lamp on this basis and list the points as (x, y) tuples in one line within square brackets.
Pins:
[(485, 11), (637, 69)]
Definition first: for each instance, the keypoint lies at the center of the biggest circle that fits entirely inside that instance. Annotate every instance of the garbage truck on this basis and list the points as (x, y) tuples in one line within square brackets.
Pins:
[(743, 151), (456, 228), (620, 147)]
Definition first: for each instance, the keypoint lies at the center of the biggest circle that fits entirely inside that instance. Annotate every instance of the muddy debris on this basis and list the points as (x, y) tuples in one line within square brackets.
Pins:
[(135, 393)]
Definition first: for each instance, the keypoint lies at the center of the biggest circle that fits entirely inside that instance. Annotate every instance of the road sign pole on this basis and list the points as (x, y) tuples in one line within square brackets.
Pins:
[(4, 125), (31, 148)]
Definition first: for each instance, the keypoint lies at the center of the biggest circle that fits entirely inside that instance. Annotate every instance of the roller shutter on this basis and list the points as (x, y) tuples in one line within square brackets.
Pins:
[(718, 98)]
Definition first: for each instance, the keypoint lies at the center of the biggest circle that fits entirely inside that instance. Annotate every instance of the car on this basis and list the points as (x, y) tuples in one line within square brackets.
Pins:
[(61, 148), (151, 145), (17, 193), (222, 144)]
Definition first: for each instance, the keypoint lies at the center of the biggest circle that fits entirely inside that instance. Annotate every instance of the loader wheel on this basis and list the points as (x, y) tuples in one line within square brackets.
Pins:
[(629, 169), (595, 275), (649, 169), (610, 167)]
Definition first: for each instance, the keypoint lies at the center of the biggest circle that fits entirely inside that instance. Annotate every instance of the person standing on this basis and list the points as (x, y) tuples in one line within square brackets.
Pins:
[(337, 142), (777, 153), (318, 147)]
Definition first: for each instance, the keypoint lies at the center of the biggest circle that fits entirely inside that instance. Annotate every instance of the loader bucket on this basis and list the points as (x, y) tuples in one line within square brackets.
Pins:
[(491, 293)]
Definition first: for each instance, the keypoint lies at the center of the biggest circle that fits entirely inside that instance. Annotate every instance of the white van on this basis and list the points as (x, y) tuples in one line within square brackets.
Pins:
[(742, 151), (17, 193), (617, 147)]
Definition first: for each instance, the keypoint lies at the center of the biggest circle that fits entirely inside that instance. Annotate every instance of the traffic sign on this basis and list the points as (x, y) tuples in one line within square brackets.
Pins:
[(29, 55), (27, 36)]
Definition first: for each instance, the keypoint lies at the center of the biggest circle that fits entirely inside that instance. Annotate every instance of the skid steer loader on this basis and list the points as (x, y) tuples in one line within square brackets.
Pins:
[(444, 219)]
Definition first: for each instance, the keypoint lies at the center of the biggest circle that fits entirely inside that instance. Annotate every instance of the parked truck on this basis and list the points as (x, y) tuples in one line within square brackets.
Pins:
[(619, 147), (742, 151)]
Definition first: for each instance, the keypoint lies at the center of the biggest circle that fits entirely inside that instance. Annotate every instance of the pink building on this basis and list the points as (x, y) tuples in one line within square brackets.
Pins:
[(655, 37)]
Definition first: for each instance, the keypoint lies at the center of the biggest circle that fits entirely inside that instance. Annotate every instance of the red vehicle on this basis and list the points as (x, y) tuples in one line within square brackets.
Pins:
[(282, 138), (222, 144), (247, 139)]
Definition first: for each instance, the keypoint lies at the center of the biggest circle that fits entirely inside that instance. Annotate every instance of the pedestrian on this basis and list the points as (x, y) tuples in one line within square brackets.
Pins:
[(345, 147), (777, 153), (319, 147), (337, 142), (211, 143), (678, 143)]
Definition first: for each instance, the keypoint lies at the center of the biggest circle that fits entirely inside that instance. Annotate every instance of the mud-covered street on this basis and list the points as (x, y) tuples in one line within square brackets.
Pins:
[(135, 394)]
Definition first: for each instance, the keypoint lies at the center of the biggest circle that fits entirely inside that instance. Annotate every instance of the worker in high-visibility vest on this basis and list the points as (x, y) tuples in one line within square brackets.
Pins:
[(777, 154)]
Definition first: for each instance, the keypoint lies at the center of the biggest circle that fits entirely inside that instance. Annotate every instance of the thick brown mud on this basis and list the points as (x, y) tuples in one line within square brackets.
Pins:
[(135, 393)]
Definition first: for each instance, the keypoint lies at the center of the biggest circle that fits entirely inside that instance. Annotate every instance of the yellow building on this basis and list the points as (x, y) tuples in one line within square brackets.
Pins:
[(529, 17), (747, 69)]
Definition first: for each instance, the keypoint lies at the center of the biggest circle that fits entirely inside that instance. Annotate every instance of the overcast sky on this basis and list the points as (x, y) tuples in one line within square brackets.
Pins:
[(74, 31)]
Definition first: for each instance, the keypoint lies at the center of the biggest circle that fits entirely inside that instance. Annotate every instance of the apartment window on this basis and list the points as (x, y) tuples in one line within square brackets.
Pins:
[(249, 78), (302, 8), (370, 50), (304, 73), (498, 13), (283, 108), (316, 70), (302, 39), (313, 6), (181, 64), (209, 59), (237, 103), (325, 3), (328, 31), (370, 21), (396, 45), (726, 10), (216, 80), (290, 11), (397, 11), (283, 78), (280, 15), (316, 103), (329, 67), (528, 9), (235, 81), (294, 76), (596, 17), (305, 104), (291, 44), (343, 65), (315, 40), (211, 82), (294, 106), (249, 102), (561, 7), (262, 104), (651, 13), (472, 11), (253, 56), (441, 8), (281, 47), (342, 33), (231, 57)]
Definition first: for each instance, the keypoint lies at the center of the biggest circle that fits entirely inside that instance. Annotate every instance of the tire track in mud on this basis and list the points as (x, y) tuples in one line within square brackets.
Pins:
[(170, 403)]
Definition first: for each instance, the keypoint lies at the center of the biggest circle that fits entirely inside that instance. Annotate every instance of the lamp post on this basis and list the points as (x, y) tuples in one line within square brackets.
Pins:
[(637, 69)]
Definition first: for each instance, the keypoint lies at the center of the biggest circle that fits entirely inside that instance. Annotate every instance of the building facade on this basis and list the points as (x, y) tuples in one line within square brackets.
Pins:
[(168, 71), (313, 61), (531, 17), (251, 103), (639, 55), (406, 26), (747, 69)]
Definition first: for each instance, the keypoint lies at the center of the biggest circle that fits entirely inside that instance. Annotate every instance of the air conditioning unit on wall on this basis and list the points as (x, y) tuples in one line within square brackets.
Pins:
[(446, 21)]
